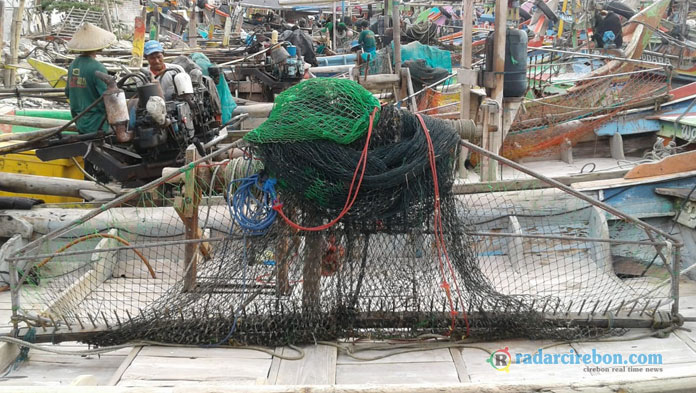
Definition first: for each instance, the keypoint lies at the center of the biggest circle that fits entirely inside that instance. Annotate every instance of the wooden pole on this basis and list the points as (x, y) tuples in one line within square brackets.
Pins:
[(107, 15), (311, 272), (16, 31), (465, 92), (187, 208), (467, 7), (228, 30), (335, 27), (495, 138), (192, 28), (2, 27), (396, 21)]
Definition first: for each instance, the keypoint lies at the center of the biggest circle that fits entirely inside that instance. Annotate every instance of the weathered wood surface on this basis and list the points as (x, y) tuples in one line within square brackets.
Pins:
[(683, 162), (677, 193), (318, 367)]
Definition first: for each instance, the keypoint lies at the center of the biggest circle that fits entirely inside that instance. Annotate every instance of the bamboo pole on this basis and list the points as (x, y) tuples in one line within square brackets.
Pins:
[(37, 122), (43, 185), (396, 21), (2, 26), (16, 30)]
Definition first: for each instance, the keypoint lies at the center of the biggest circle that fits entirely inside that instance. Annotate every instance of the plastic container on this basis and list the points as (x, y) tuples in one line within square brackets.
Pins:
[(27, 163), (515, 84), (292, 50)]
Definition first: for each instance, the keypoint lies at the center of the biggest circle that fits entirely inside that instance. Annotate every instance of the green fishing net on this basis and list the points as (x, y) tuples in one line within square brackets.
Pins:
[(331, 109)]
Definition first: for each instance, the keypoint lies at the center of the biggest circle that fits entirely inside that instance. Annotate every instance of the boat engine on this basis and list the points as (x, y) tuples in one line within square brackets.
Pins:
[(149, 132), (262, 77), (163, 129)]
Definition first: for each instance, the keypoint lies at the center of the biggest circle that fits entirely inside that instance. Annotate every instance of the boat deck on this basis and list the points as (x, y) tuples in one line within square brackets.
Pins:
[(465, 369)]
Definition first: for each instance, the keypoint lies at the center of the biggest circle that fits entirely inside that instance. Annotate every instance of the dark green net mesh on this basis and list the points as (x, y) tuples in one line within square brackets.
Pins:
[(336, 110)]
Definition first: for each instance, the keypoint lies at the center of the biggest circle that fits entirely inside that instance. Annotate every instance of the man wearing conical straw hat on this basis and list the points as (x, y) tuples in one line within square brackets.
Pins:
[(83, 85)]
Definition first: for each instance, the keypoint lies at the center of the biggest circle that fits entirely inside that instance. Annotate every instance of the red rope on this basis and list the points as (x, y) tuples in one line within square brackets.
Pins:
[(352, 194), (439, 233)]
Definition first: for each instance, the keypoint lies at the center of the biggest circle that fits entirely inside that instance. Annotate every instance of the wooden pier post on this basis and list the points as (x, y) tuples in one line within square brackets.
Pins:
[(396, 21), (495, 138), (311, 273), (187, 208)]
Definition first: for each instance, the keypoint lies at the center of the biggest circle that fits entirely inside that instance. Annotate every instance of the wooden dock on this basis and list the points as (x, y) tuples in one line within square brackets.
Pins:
[(324, 368)]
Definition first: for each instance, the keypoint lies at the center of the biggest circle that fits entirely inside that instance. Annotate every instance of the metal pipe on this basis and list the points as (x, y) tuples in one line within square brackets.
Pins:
[(566, 238)]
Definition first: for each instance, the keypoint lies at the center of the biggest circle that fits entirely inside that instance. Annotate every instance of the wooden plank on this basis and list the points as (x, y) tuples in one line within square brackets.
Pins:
[(275, 367), (598, 228), (155, 368), (8, 354), (113, 381), (51, 369), (436, 355), (397, 373), (193, 352), (677, 192), (673, 350), (102, 265), (317, 367), (678, 163), (603, 184), (480, 371), (459, 364)]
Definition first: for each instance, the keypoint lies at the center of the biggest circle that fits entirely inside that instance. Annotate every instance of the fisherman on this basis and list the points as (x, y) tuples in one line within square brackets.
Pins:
[(329, 26), (83, 86), (164, 72), (367, 41), (607, 31)]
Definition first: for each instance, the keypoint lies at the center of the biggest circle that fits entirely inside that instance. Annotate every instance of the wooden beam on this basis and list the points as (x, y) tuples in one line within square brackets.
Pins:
[(187, 208), (113, 381)]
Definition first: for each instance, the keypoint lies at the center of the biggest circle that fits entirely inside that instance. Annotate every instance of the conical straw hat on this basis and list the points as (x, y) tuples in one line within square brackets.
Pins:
[(90, 38)]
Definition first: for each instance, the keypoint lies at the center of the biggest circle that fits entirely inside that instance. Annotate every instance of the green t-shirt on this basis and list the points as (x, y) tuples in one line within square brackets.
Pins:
[(367, 40), (82, 90), (330, 25)]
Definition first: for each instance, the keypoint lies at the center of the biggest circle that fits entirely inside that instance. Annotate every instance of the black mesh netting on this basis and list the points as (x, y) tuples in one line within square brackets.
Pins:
[(401, 262)]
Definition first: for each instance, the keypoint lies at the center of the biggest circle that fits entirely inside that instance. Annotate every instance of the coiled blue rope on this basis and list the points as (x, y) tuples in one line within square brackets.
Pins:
[(254, 216)]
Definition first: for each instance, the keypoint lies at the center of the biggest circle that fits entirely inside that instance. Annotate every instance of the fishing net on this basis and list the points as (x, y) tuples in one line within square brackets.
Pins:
[(308, 240), (320, 108), (577, 107)]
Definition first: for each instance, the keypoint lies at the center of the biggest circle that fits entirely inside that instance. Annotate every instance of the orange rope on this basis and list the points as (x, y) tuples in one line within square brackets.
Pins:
[(102, 235)]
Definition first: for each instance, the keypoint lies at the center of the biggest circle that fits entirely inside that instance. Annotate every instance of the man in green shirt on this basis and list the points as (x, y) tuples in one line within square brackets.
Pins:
[(329, 26), (367, 41), (83, 86)]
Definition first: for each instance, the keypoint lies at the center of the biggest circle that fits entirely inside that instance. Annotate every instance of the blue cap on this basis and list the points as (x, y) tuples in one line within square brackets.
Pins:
[(153, 46)]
